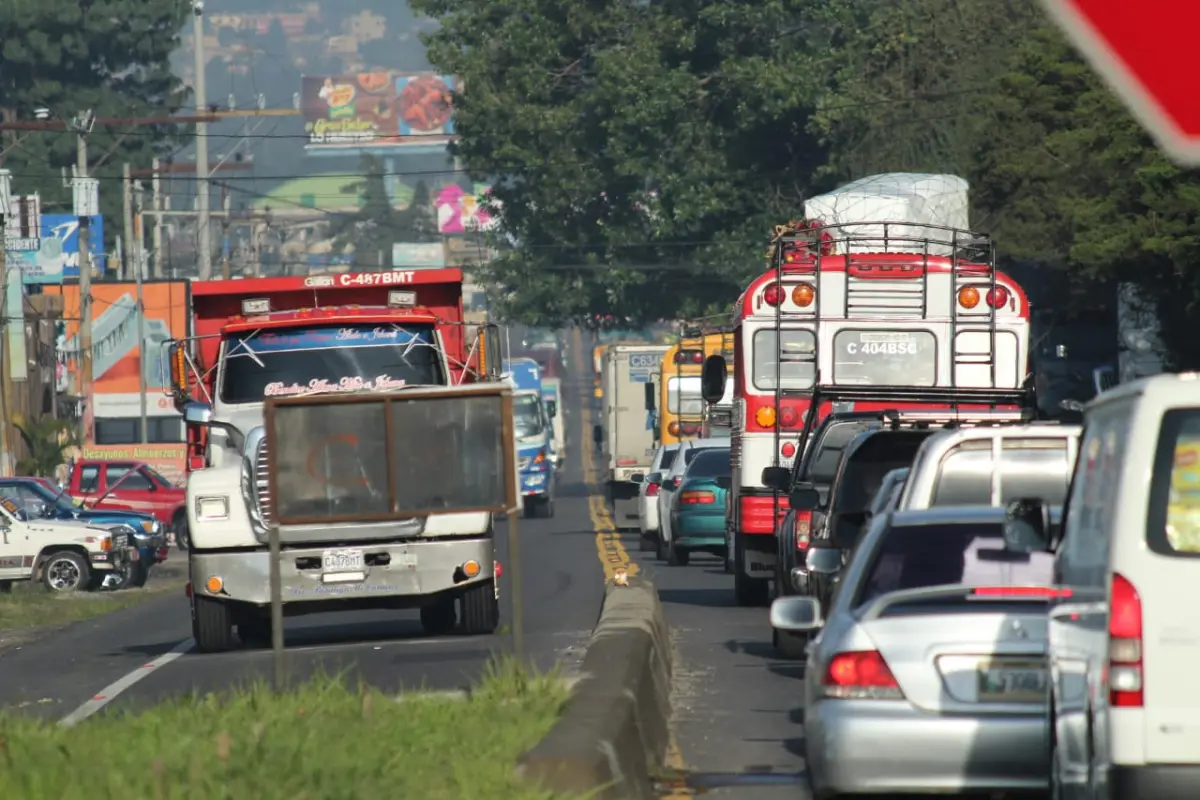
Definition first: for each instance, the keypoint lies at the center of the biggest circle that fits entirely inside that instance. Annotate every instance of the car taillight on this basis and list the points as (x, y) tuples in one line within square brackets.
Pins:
[(1125, 688), (1002, 592), (675, 482), (860, 675), (803, 529), (652, 490), (697, 498)]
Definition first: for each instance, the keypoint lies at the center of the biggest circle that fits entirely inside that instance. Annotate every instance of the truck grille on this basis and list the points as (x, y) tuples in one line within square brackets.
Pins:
[(262, 486)]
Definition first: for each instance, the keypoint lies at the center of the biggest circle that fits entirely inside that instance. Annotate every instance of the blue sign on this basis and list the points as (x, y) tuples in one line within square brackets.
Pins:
[(326, 338), (60, 246)]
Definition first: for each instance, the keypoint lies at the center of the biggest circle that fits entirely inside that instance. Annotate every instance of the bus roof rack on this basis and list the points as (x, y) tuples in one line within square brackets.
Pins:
[(951, 396)]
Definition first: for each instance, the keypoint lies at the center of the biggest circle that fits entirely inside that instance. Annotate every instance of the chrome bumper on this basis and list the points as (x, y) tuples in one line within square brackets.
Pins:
[(405, 569)]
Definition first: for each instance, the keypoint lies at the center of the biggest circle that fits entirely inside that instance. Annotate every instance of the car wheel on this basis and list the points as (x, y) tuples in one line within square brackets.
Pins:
[(646, 542), (676, 556), (65, 571), (660, 547)]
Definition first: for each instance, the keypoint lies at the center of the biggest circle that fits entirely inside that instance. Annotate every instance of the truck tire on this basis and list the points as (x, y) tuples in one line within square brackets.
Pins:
[(65, 571), (480, 609), (439, 618), (183, 539), (212, 625), (255, 630), (528, 508), (747, 591)]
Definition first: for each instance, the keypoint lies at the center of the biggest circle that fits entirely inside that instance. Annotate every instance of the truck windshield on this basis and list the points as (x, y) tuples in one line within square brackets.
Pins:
[(527, 416), (329, 359)]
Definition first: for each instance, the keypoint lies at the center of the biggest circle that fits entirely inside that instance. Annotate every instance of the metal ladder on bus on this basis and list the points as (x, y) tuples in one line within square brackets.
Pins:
[(970, 274)]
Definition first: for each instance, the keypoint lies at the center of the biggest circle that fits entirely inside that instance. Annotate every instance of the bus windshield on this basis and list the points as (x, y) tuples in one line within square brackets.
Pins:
[(328, 359), (528, 418)]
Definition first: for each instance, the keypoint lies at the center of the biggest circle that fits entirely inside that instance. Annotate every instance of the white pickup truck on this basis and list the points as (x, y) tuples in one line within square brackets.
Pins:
[(65, 555)]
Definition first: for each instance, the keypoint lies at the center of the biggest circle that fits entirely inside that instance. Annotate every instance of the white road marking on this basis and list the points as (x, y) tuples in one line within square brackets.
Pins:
[(110, 692)]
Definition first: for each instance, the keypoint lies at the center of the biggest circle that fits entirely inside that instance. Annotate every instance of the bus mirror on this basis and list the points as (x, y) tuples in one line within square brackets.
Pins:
[(177, 353), (712, 379), (491, 357), (651, 400)]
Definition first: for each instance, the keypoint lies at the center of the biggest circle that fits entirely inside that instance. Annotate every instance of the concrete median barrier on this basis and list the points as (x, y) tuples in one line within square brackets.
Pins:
[(613, 735)]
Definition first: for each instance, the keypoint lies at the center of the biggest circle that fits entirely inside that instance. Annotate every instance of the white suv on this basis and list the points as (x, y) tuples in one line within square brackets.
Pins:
[(1124, 635)]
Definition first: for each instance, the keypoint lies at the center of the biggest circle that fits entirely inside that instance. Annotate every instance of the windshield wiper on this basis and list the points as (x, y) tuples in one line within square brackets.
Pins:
[(245, 344)]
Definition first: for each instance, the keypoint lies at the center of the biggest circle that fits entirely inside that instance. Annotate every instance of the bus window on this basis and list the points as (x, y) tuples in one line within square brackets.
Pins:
[(795, 359), (885, 358)]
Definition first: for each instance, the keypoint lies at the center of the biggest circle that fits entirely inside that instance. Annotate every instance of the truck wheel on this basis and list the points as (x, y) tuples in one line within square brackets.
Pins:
[(439, 618), (212, 625), (480, 609), (65, 571), (183, 539), (677, 557), (747, 591), (528, 508), (255, 630)]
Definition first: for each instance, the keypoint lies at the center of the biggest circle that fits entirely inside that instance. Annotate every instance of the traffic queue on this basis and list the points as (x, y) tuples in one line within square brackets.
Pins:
[(987, 601)]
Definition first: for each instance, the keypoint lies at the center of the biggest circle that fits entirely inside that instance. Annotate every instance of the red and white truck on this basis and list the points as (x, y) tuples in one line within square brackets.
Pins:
[(262, 337)]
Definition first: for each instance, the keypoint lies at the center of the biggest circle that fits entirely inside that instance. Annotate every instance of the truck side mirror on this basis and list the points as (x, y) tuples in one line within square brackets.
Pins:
[(651, 390), (712, 379), (598, 434), (804, 498), (777, 478), (196, 413), (552, 409), (177, 355)]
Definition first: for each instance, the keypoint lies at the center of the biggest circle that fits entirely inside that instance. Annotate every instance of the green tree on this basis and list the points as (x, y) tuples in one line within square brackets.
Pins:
[(109, 56), (372, 230), (639, 152), (46, 442), (417, 222)]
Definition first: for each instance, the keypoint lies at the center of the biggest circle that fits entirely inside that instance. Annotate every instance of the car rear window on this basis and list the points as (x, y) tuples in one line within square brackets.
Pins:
[(668, 458), (690, 454), (1030, 467), (827, 452), (1173, 519), (924, 556), (711, 464), (870, 462)]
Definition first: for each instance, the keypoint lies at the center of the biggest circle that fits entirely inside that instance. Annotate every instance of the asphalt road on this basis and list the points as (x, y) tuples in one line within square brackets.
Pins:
[(562, 592)]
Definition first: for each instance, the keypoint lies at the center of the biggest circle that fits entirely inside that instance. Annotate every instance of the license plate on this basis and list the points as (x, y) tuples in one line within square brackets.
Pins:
[(341, 561), (1012, 683)]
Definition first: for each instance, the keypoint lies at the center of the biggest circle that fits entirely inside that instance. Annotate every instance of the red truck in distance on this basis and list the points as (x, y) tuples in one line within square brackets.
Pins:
[(130, 486)]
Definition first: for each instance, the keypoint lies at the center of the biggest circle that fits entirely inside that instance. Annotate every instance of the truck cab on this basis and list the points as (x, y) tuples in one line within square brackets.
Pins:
[(282, 337), (533, 430)]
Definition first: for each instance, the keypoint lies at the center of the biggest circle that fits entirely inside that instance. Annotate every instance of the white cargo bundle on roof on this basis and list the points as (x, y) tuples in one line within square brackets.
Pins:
[(924, 203)]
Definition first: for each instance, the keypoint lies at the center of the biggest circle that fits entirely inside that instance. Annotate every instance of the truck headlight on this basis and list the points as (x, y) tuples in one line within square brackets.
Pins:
[(212, 507), (150, 525)]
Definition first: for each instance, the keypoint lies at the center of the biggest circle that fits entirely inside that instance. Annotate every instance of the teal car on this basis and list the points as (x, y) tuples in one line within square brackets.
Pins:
[(698, 507)]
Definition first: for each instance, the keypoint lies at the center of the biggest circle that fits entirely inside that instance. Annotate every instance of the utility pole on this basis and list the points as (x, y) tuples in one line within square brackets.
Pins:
[(156, 202), (5, 439), (204, 240), (137, 249), (85, 203), (127, 219)]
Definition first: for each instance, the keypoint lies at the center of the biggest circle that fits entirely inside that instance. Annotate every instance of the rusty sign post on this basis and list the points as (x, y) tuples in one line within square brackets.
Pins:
[(347, 459)]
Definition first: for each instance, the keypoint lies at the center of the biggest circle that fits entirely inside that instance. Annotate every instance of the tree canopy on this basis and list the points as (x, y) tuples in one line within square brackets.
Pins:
[(106, 56), (641, 151)]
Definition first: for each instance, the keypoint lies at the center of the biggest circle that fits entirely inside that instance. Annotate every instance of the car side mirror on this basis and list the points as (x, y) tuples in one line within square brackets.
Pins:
[(823, 560), (637, 477), (598, 434), (650, 397), (796, 614), (655, 477), (777, 478), (725, 482), (552, 409), (1027, 526), (804, 498)]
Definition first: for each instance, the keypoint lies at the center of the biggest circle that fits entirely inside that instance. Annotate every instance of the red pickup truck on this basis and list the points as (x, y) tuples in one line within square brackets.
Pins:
[(130, 486)]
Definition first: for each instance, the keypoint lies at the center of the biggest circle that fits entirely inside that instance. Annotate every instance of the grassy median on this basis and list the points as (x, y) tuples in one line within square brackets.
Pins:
[(324, 740), (32, 605)]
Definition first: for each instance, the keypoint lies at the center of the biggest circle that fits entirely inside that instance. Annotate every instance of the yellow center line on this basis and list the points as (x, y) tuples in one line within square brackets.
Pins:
[(609, 548)]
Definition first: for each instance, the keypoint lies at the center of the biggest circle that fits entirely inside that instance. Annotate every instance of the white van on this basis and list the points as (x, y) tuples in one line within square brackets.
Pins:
[(1125, 636)]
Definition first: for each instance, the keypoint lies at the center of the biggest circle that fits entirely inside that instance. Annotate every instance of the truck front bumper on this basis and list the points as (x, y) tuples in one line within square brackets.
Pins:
[(390, 570)]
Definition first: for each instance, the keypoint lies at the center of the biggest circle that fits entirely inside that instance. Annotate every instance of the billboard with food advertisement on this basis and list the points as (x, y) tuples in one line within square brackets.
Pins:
[(377, 111)]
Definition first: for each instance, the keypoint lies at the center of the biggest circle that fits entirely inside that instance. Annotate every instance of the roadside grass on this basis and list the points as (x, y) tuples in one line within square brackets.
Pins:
[(32, 605), (327, 739)]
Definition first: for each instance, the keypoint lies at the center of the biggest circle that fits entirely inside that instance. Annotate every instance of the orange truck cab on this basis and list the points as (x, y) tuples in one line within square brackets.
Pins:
[(277, 337)]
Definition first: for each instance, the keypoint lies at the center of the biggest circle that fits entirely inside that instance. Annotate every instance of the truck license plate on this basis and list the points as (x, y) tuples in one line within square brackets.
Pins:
[(340, 562)]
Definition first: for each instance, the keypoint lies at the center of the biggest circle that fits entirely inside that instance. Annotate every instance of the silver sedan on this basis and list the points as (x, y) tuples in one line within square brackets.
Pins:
[(928, 676)]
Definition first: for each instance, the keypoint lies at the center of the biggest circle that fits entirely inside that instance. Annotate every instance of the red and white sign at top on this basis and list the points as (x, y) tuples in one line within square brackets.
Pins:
[(1146, 52)]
